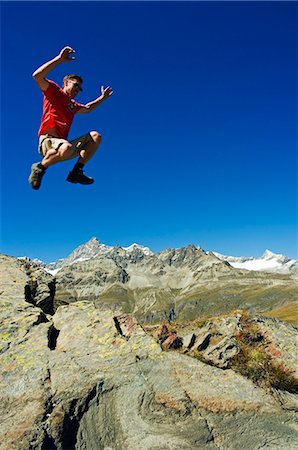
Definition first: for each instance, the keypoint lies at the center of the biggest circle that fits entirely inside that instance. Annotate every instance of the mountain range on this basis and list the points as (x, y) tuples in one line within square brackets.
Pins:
[(269, 261), (183, 283)]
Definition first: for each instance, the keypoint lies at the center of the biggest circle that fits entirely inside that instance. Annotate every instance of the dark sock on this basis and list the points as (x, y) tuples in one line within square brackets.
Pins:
[(78, 166), (41, 166)]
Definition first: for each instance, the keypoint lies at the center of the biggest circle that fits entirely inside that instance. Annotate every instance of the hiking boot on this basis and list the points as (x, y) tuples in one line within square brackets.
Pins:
[(36, 175), (78, 176)]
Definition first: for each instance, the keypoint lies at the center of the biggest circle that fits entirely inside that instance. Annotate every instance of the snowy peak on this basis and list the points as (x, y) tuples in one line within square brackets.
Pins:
[(94, 248), (91, 249), (137, 247), (269, 262), (268, 255)]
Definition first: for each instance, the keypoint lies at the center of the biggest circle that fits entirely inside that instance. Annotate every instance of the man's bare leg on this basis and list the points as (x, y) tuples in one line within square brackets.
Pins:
[(64, 153), (90, 147), (53, 156)]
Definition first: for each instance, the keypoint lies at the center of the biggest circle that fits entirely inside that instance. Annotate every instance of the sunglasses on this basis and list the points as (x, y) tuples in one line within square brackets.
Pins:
[(77, 85)]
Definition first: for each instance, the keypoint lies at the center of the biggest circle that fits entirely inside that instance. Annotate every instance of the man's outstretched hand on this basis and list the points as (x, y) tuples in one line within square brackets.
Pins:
[(66, 54), (106, 92)]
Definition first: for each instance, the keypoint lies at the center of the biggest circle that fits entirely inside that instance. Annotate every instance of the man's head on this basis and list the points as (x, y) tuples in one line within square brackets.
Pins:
[(72, 84)]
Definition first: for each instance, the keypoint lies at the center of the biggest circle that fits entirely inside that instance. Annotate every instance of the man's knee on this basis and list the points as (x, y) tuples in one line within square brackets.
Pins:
[(96, 137), (64, 150)]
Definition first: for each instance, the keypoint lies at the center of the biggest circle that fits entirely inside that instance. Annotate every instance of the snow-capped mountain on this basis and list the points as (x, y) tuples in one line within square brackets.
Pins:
[(145, 250), (93, 249), (268, 262)]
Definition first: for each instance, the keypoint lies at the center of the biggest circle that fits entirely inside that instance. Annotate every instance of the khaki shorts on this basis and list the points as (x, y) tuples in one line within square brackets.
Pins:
[(46, 142)]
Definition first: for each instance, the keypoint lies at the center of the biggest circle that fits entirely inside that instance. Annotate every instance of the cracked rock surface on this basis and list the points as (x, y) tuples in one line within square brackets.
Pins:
[(83, 379)]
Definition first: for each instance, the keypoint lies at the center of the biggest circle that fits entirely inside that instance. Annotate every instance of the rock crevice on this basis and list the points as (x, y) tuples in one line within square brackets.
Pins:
[(53, 334)]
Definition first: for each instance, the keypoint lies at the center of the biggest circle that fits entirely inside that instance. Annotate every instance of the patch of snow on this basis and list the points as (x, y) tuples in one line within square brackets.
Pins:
[(145, 250), (270, 261), (53, 272)]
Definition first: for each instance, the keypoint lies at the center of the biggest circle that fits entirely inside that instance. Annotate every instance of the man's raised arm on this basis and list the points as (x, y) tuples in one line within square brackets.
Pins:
[(40, 74), (90, 106)]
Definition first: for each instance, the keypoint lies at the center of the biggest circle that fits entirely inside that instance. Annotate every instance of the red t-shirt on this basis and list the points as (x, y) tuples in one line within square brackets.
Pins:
[(58, 111)]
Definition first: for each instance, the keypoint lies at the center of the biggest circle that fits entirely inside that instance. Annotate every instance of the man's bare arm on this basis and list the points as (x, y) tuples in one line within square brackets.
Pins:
[(90, 106), (40, 74)]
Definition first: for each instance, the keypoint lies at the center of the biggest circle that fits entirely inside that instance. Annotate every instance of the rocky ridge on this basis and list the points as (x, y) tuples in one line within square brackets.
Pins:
[(81, 377)]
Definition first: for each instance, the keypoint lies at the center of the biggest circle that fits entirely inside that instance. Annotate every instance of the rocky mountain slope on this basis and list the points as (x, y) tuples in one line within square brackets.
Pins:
[(81, 377), (184, 283)]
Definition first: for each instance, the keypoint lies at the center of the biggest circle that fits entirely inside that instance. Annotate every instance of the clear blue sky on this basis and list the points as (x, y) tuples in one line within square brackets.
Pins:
[(199, 137)]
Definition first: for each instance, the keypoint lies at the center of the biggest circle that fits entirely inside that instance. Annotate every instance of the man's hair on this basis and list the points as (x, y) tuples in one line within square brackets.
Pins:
[(72, 76)]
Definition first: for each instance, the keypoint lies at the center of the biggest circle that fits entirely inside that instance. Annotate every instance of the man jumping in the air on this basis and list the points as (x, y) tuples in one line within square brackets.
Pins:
[(59, 108)]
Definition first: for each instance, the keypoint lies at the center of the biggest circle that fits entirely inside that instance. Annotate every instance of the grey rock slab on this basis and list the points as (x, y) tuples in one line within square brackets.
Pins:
[(251, 431), (24, 353), (220, 353), (142, 397), (25, 388), (282, 340), (189, 340), (228, 326), (202, 341), (288, 400), (208, 387)]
